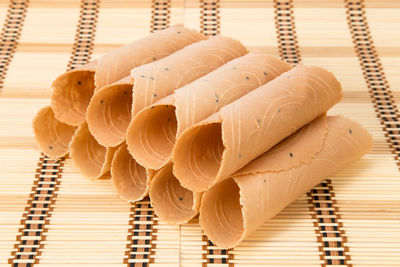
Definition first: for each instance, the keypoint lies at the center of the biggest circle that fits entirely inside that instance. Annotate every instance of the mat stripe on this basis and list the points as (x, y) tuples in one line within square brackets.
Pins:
[(160, 15), (209, 17), (48, 174), (374, 75), (85, 34), (329, 230), (213, 255), (37, 212), (141, 232), (286, 31), (10, 34)]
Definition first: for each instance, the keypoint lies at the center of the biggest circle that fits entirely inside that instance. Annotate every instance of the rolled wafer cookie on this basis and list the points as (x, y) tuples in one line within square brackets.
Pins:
[(109, 112), (176, 204), (130, 179), (155, 128), (52, 136), (73, 89), (215, 148), (89, 157), (153, 81), (172, 202), (234, 208)]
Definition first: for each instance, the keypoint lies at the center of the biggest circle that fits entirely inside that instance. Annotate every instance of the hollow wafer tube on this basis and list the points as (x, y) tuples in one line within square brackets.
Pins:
[(153, 81), (236, 207), (72, 90), (109, 112), (52, 136), (130, 179), (155, 128), (88, 156), (215, 148), (172, 202)]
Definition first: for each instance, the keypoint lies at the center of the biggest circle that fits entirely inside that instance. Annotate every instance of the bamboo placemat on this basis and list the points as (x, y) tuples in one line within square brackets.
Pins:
[(51, 216)]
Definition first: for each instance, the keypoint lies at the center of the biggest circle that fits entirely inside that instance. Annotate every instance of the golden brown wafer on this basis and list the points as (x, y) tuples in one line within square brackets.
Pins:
[(130, 180), (212, 150), (73, 89), (52, 136), (89, 157), (108, 119), (155, 128), (172, 202), (109, 112), (154, 81), (234, 208)]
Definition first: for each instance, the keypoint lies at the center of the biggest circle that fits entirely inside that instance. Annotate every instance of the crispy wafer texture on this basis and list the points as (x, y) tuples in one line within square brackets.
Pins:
[(52, 136), (72, 90), (89, 157), (210, 151), (156, 127), (354, 213), (172, 202), (233, 209), (109, 112), (154, 81), (130, 179)]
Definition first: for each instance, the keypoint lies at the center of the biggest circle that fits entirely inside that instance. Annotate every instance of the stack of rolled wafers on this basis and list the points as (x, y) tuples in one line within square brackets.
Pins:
[(201, 126)]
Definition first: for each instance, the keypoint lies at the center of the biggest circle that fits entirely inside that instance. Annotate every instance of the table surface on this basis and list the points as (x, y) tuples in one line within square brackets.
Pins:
[(51, 216)]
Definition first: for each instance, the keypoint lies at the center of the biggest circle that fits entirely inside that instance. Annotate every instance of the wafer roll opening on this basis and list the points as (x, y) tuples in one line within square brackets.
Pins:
[(128, 177), (52, 136), (197, 156), (92, 159), (263, 188), (71, 95), (171, 201), (154, 136), (221, 214), (196, 101), (109, 113), (254, 123)]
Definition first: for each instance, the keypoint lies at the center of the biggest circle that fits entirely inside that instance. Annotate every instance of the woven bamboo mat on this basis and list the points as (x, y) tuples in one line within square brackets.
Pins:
[(51, 216)]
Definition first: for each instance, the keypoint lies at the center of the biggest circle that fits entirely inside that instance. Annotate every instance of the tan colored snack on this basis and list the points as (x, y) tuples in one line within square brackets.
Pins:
[(172, 202), (176, 204), (155, 128), (130, 180), (109, 112), (108, 120), (52, 136), (89, 157), (234, 208), (212, 150), (154, 81), (73, 89)]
